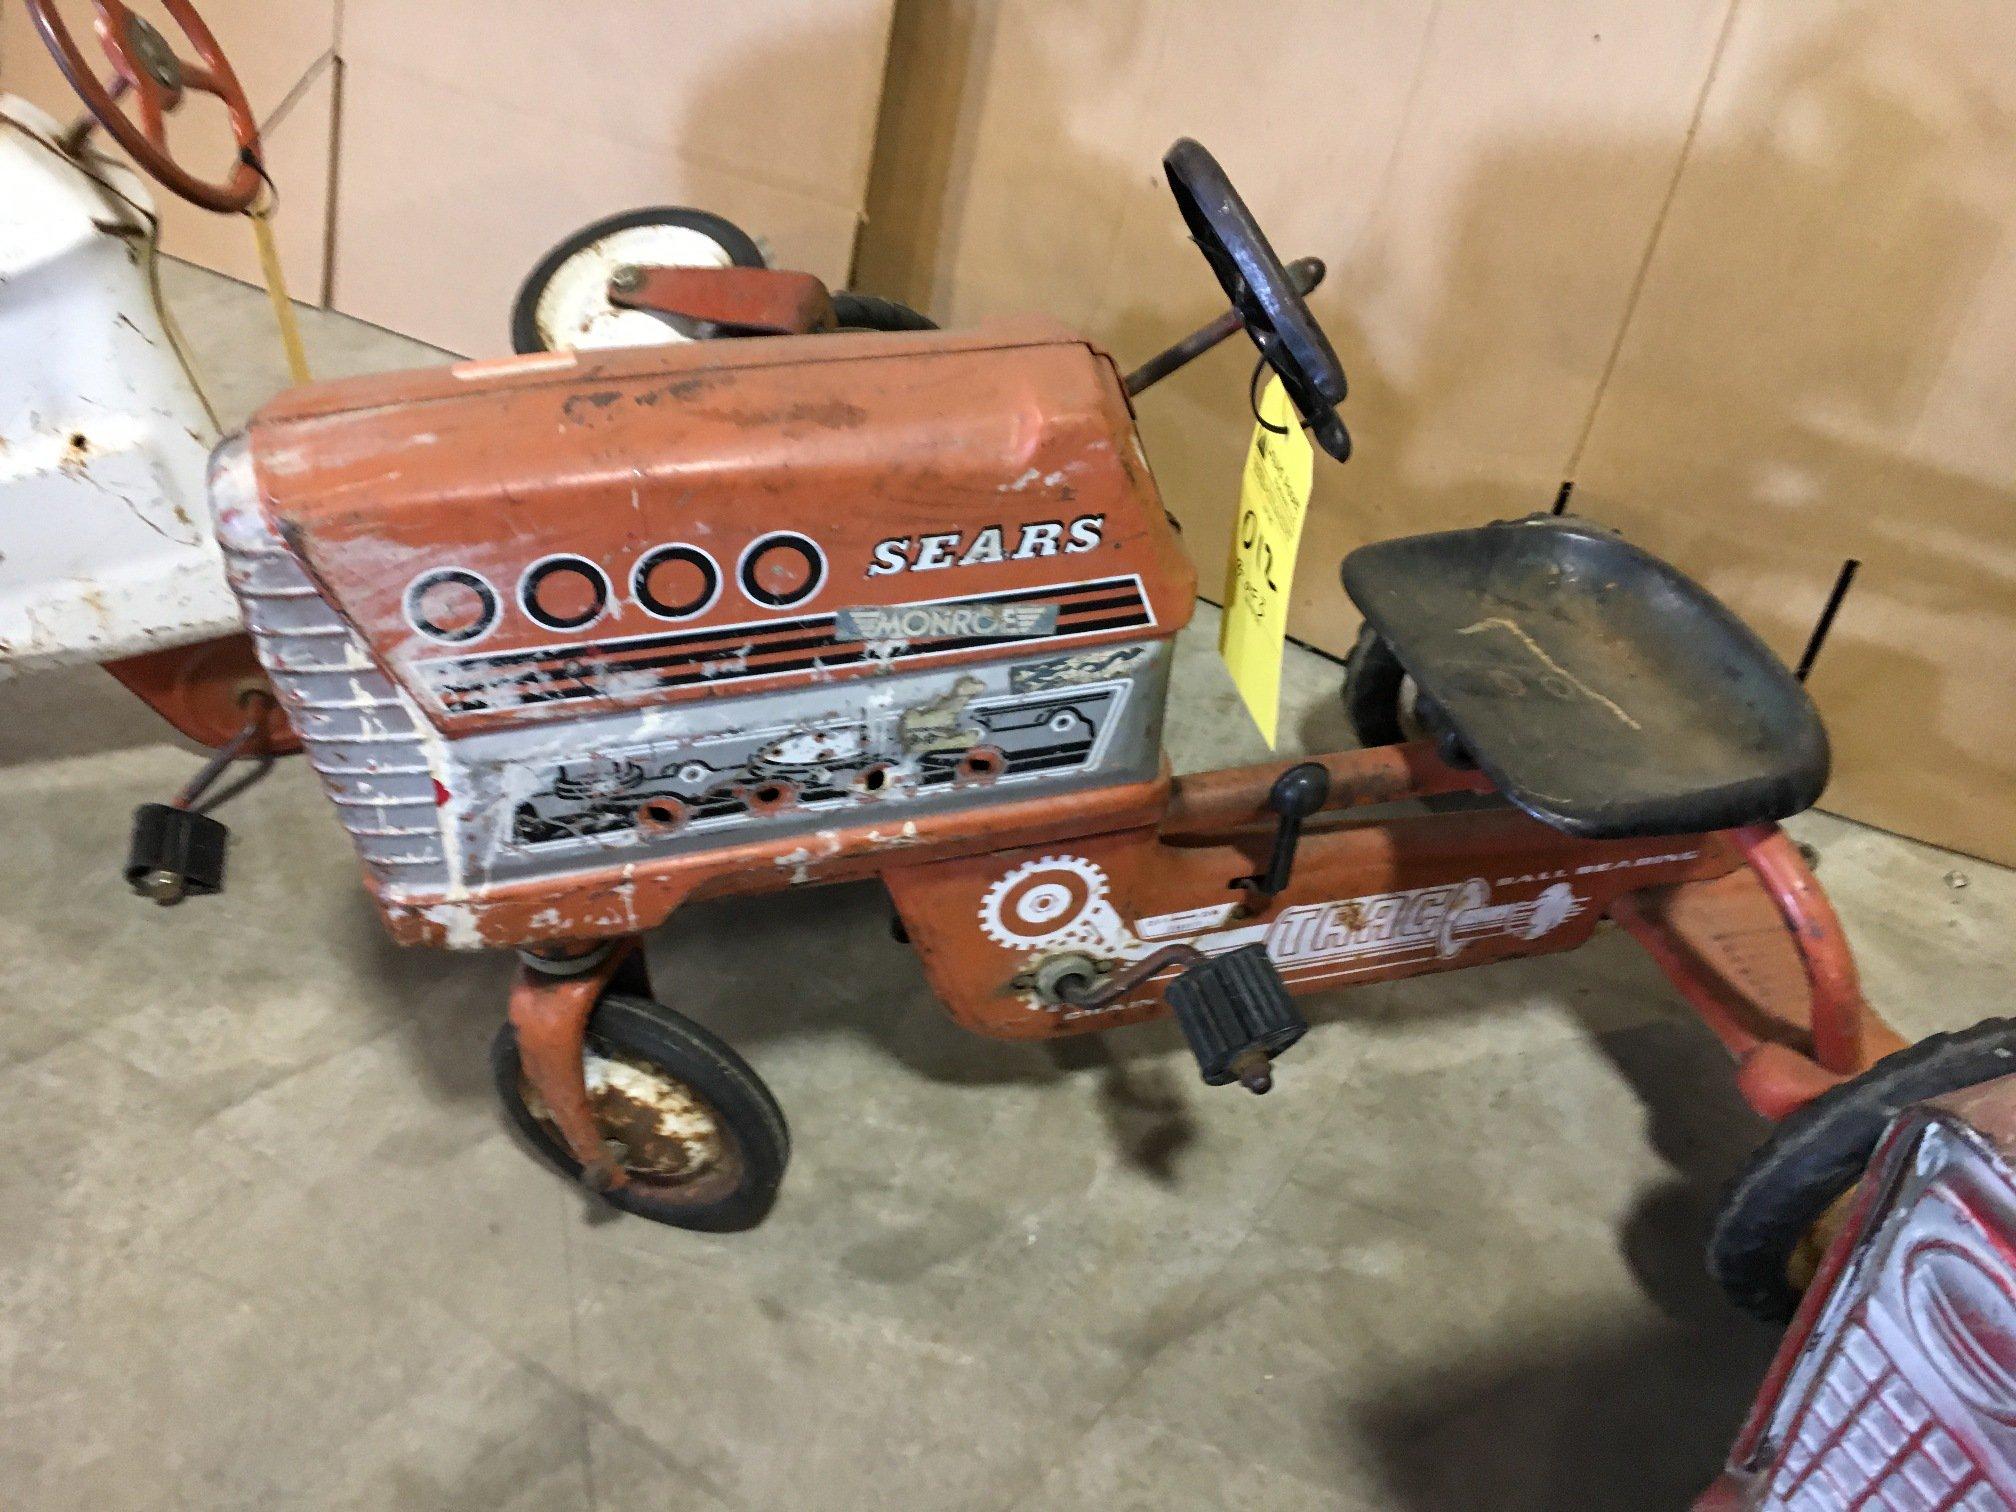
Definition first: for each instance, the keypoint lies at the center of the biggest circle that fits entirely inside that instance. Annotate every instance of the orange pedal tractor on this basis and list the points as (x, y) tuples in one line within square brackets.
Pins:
[(804, 590)]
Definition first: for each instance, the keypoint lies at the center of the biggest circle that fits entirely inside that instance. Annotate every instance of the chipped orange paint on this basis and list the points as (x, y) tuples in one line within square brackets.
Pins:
[(614, 901), (849, 441), (549, 1015)]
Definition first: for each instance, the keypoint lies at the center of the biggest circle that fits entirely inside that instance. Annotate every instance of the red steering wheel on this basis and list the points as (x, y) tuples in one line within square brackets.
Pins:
[(147, 67)]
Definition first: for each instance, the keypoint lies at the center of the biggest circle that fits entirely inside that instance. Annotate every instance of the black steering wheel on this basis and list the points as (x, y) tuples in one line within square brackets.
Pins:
[(1275, 315)]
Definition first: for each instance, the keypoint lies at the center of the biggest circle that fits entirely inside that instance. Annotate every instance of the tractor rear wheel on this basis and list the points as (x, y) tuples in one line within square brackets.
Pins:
[(564, 302), (1375, 691)]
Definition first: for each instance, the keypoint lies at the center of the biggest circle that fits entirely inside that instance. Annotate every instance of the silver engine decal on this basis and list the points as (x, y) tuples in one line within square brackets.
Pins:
[(727, 780)]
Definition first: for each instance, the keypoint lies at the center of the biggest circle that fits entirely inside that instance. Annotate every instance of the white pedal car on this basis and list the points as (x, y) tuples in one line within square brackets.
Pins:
[(105, 544)]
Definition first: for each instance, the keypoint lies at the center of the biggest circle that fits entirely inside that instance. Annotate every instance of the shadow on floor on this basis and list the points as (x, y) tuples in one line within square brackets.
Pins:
[(822, 962), (1634, 1413), (1703, 1129), (1636, 1417), (68, 712)]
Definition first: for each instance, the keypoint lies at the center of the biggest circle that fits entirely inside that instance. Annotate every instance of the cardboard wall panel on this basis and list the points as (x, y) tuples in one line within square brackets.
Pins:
[(784, 92), (1819, 367), (283, 54), (1483, 182), (299, 147), (435, 244), (474, 134), (477, 135)]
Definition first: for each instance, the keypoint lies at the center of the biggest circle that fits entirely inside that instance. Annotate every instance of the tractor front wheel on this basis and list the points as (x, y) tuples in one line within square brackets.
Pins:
[(698, 1135)]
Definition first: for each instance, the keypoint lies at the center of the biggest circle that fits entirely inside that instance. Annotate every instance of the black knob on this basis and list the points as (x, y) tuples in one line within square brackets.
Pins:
[(1297, 793), (1300, 791)]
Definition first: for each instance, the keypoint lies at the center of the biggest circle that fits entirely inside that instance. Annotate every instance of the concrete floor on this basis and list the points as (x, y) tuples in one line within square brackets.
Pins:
[(265, 1240)]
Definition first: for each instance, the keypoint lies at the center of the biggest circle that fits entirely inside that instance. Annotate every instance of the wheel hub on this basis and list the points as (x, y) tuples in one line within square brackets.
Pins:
[(658, 1128)]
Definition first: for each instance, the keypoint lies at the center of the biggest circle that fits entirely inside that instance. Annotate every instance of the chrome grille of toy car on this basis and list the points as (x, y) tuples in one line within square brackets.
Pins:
[(1868, 1438), (1904, 1394)]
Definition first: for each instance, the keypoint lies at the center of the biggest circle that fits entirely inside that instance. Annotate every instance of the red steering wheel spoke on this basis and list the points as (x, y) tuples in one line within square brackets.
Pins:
[(147, 97), (196, 76), (111, 23), (157, 77)]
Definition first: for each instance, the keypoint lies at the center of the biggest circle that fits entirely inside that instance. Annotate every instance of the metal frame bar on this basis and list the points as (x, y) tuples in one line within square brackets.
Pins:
[(1218, 816)]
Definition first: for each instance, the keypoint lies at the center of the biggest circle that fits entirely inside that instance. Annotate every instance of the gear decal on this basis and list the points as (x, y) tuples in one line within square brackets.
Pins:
[(1059, 900)]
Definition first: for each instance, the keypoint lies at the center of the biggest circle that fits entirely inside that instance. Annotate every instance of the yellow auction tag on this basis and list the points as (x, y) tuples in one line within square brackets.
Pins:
[(1273, 499)]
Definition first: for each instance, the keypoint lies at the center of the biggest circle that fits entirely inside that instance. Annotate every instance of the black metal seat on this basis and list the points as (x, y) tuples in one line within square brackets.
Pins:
[(1604, 692)]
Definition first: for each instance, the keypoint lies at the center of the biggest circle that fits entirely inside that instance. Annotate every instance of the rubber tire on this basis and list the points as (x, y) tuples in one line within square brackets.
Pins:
[(1372, 680), (868, 312), (654, 1033), (1819, 1152), (738, 244)]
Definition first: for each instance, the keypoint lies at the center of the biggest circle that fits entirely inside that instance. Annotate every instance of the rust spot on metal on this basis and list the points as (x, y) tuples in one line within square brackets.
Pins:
[(666, 1132), (771, 796), (661, 816), (830, 414), (980, 765), (685, 388), (652, 1127), (77, 451)]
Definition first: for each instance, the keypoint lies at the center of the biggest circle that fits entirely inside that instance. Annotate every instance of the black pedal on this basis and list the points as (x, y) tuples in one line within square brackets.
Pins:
[(1237, 1016), (176, 853)]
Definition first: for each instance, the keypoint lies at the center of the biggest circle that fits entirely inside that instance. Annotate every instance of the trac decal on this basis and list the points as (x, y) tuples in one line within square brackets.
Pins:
[(990, 543), (1065, 900), (1437, 920)]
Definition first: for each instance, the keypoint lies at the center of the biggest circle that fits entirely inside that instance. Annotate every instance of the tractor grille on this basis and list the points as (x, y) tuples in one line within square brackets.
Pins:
[(358, 731)]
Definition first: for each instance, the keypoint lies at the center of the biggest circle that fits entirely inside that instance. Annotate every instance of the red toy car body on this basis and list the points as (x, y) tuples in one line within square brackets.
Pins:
[(1895, 1387)]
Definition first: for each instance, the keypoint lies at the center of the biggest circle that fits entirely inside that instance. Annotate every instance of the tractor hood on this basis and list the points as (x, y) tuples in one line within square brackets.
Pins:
[(547, 536)]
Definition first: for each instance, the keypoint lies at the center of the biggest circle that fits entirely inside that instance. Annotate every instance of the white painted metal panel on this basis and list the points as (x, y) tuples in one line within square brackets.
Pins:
[(105, 543)]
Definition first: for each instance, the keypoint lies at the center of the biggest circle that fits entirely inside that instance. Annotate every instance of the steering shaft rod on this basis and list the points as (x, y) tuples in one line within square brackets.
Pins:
[(1305, 273)]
